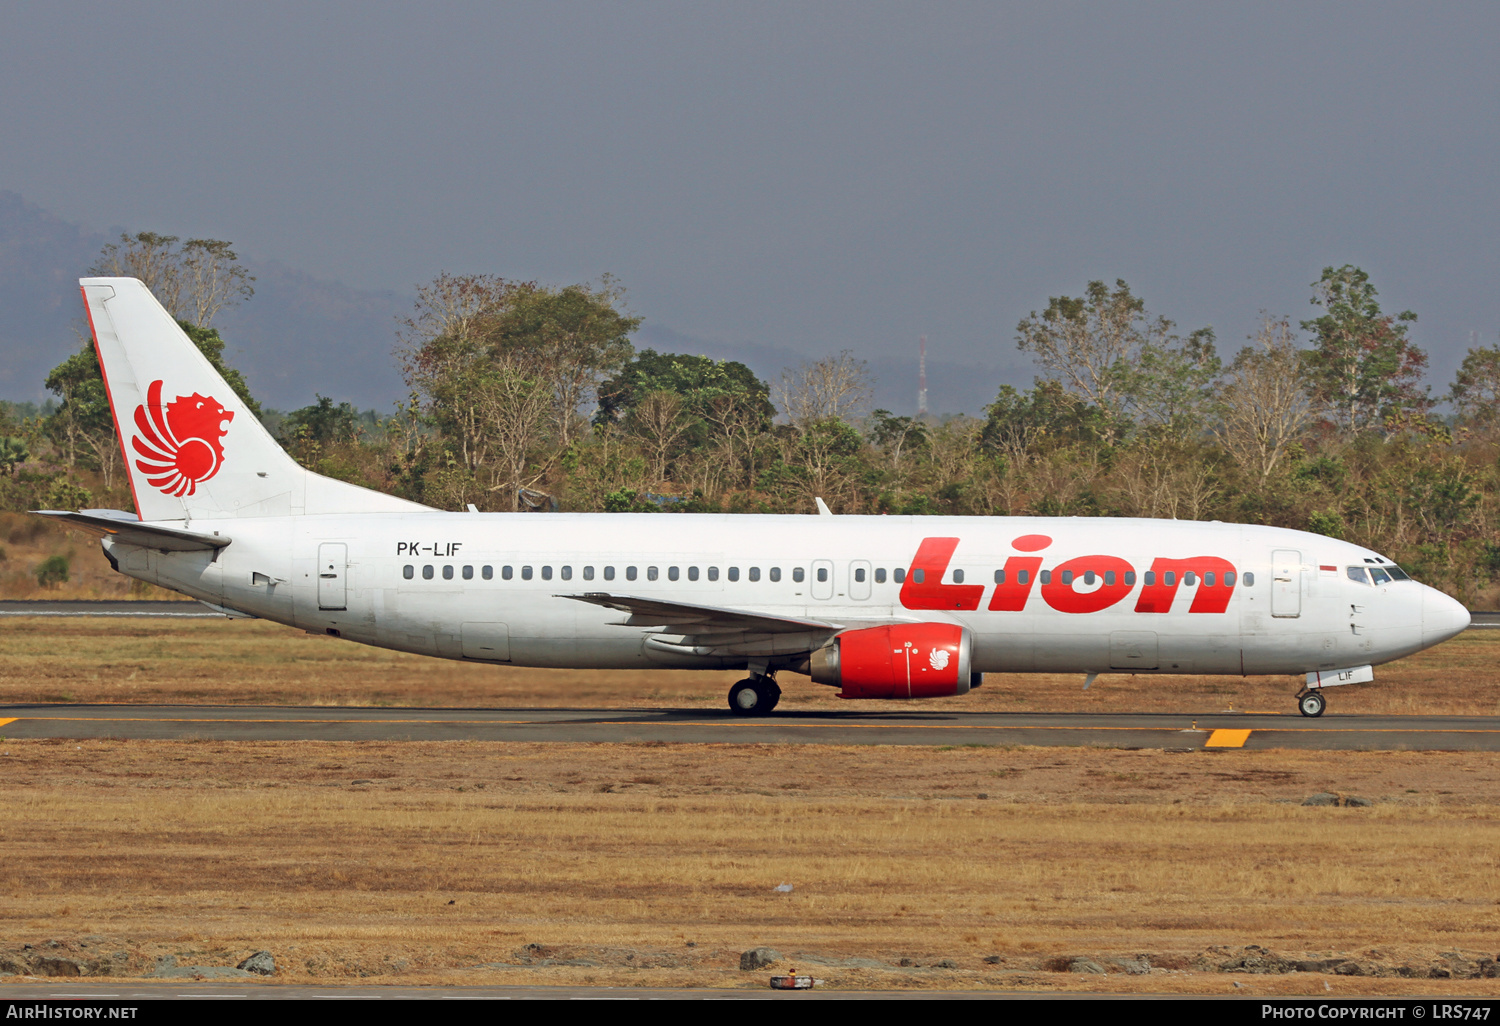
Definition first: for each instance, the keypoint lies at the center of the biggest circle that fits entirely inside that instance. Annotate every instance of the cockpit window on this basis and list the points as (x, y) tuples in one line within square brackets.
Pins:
[(1357, 573), (1397, 574), (1379, 576)]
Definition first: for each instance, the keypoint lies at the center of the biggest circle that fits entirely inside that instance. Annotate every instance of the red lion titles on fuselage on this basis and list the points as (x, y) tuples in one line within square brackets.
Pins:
[(182, 443), (1115, 579)]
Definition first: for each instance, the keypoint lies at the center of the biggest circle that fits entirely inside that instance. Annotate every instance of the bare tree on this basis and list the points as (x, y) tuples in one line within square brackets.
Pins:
[(514, 407), (657, 419), (212, 278), (194, 282), (1265, 400), (833, 388)]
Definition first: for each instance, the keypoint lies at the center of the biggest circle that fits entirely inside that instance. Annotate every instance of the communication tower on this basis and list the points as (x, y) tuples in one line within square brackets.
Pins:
[(922, 377)]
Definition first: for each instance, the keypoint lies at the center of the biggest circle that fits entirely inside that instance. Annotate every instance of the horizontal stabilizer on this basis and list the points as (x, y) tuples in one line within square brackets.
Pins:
[(127, 530)]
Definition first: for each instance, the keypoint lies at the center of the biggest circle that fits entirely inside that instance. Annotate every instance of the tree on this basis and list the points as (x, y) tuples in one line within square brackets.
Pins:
[(896, 435), (567, 338), (1476, 390), (194, 282), (1265, 402), (1107, 352), (1363, 366), (574, 336), (833, 388)]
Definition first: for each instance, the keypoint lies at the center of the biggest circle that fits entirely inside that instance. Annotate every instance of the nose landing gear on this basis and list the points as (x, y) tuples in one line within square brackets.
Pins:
[(1311, 703), (754, 696)]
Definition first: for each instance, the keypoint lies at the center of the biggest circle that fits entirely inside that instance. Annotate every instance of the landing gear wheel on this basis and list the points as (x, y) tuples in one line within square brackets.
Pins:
[(754, 696), (1312, 704)]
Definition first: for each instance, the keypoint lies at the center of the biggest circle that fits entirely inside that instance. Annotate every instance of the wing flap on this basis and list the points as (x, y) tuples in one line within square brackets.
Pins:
[(689, 619)]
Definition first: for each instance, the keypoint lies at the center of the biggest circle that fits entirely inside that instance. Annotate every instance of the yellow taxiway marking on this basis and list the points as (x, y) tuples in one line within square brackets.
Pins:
[(4, 722), (1227, 739)]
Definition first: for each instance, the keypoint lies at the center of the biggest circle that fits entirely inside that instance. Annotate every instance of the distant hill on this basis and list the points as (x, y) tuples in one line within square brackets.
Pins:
[(297, 336), (301, 335)]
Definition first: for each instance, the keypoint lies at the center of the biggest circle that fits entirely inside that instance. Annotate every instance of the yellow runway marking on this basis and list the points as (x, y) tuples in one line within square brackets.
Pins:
[(1227, 739)]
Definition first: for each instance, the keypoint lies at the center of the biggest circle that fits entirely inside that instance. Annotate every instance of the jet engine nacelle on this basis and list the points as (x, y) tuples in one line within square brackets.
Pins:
[(918, 660)]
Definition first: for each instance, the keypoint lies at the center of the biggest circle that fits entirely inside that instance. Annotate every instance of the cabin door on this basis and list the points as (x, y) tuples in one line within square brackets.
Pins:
[(333, 569), (1286, 583)]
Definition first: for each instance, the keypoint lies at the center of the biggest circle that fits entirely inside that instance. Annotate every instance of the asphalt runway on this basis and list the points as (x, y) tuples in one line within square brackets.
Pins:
[(1111, 730)]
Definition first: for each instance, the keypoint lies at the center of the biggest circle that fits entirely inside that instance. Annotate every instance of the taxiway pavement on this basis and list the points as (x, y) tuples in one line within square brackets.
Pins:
[(787, 726)]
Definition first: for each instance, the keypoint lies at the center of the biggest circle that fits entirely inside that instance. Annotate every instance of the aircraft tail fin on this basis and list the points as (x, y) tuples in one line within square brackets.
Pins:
[(192, 448)]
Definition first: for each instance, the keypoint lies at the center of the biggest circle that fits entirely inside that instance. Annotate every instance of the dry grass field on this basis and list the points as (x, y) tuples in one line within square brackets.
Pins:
[(657, 864)]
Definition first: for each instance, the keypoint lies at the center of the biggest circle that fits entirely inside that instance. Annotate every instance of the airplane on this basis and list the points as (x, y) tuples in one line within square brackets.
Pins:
[(880, 607)]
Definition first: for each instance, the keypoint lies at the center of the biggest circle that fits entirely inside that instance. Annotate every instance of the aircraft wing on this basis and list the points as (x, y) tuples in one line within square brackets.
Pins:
[(127, 530), (688, 619)]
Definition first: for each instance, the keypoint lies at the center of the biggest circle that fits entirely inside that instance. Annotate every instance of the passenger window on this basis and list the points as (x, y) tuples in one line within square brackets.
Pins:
[(713, 573), (734, 573), (775, 574), (1130, 577), (899, 575), (859, 575), (546, 573), (1046, 576), (588, 573), (755, 573), (880, 575), (1150, 578), (798, 574), (671, 573), (630, 573), (1189, 579), (822, 575), (692, 573), (1229, 578), (447, 573), (609, 573), (919, 576), (468, 573), (1067, 577), (999, 576), (525, 573), (506, 573), (488, 573), (652, 573), (1022, 576), (1109, 578), (1169, 578), (566, 573), (408, 571), (427, 572), (1248, 578), (958, 577), (1088, 577)]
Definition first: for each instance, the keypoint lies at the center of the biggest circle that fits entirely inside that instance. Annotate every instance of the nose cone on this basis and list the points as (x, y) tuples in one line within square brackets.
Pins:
[(1442, 617)]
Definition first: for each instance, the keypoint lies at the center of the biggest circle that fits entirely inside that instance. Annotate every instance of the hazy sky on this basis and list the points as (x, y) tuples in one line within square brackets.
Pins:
[(817, 176)]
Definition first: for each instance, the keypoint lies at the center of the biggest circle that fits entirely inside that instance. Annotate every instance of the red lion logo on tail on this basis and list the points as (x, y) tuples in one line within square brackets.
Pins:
[(182, 443)]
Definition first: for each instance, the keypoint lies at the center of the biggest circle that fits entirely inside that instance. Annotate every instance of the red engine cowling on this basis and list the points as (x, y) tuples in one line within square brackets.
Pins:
[(917, 660)]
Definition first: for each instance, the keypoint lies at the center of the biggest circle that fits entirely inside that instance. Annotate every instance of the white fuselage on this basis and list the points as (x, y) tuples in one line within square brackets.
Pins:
[(419, 582)]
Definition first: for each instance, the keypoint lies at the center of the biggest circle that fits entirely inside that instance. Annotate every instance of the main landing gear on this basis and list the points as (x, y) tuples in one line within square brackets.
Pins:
[(754, 696), (1311, 703)]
